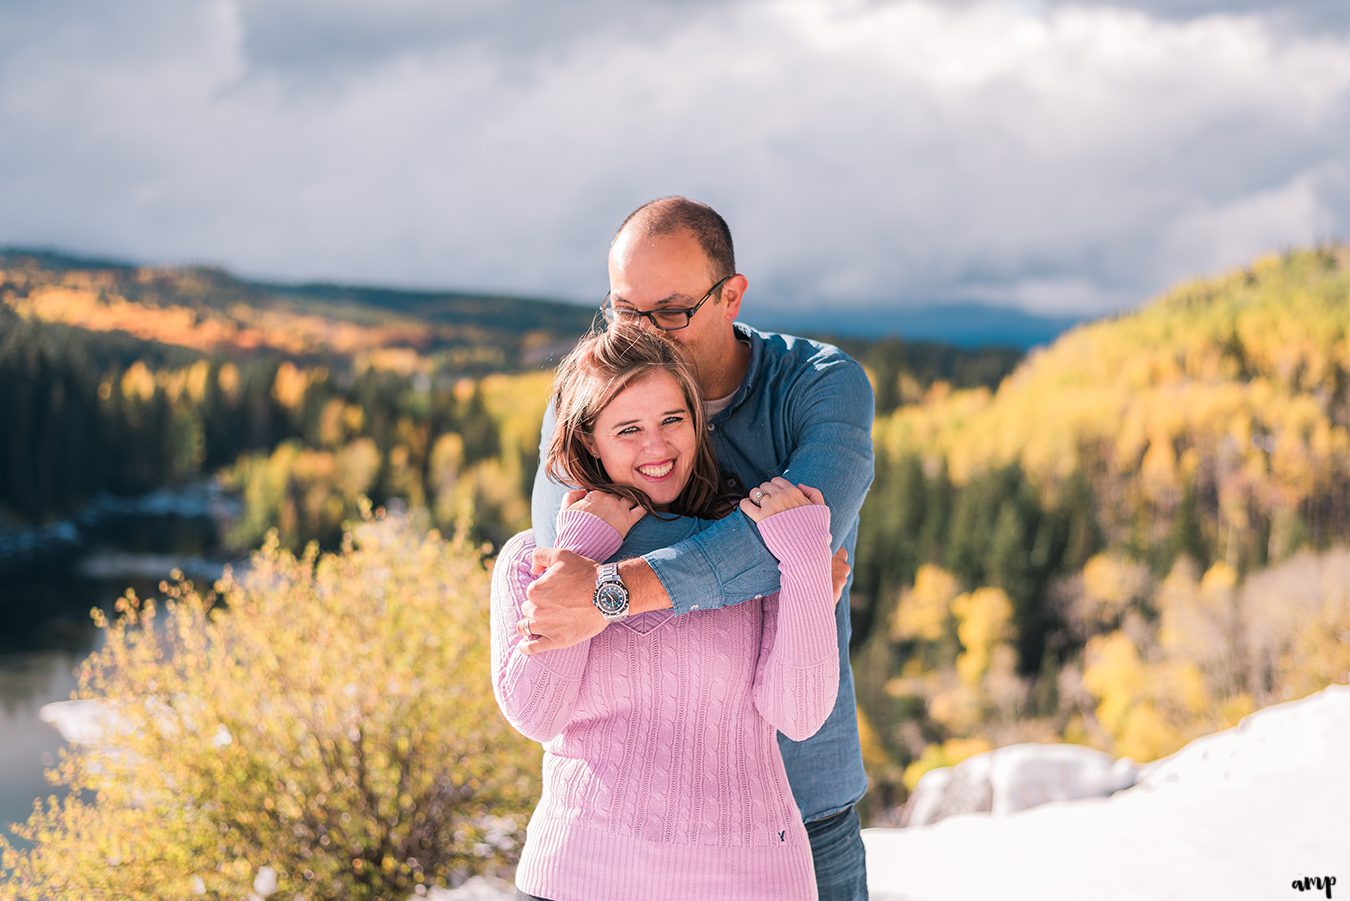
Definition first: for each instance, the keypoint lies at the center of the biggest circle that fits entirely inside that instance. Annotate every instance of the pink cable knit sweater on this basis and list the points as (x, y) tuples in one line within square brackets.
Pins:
[(662, 776)]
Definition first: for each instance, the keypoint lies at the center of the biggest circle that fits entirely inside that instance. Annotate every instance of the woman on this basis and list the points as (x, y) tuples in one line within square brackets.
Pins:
[(662, 775)]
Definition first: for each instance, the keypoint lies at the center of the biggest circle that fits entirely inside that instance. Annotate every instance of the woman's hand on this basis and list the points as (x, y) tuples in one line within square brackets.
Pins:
[(619, 512), (777, 495)]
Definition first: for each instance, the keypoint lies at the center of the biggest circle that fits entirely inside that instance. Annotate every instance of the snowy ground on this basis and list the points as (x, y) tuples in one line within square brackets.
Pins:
[(1236, 815)]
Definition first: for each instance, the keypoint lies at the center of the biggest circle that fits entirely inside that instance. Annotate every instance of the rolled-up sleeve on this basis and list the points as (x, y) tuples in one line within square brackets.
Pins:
[(829, 410)]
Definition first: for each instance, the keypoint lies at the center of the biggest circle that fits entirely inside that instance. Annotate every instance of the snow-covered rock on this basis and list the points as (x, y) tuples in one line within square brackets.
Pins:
[(1017, 777), (1236, 815)]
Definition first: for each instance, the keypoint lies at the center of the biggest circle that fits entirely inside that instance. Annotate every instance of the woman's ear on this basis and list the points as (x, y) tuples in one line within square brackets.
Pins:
[(589, 443)]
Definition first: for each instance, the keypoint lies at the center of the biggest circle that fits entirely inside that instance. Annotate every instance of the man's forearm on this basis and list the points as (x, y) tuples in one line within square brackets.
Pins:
[(559, 606), (722, 562), (645, 591)]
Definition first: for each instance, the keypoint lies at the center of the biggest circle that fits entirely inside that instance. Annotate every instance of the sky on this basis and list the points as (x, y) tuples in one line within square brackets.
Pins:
[(1058, 156)]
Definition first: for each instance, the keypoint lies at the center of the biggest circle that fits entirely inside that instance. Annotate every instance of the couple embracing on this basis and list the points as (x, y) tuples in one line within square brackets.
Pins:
[(672, 629)]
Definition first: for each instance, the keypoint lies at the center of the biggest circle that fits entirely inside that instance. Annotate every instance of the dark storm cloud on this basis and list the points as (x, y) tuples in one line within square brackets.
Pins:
[(1057, 157)]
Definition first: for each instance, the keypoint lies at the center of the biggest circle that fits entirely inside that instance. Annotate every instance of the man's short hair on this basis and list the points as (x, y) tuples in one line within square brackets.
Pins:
[(667, 215)]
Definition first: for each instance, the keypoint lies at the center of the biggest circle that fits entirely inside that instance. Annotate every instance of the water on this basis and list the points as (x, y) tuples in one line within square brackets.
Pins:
[(46, 630)]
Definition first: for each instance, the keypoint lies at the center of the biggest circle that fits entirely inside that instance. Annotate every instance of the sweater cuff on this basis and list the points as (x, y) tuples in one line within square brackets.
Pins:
[(800, 538), (797, 534), (587, 534)]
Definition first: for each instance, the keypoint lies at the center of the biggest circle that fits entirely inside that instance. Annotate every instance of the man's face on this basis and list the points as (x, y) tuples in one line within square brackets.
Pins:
[(673, 271)]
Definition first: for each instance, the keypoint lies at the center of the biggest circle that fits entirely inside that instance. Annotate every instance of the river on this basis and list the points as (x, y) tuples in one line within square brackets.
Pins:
[(46, 629)]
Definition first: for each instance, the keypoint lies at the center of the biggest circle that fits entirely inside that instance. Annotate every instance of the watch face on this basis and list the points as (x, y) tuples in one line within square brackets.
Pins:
[(612, 599)]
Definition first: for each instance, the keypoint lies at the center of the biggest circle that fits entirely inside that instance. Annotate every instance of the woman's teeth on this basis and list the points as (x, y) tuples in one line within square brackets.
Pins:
[(657, 471)]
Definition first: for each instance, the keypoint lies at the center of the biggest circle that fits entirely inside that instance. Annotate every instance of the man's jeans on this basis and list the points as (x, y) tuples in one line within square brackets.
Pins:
[(837, 850)]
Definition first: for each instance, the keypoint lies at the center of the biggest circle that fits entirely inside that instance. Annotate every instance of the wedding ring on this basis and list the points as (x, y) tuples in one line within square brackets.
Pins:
[(757, 496)]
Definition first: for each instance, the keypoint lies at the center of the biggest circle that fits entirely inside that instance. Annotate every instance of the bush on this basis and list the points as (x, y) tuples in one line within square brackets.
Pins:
[(324, 724)]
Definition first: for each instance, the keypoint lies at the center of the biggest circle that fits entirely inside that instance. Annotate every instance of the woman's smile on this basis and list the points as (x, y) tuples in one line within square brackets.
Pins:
[(657, 472)]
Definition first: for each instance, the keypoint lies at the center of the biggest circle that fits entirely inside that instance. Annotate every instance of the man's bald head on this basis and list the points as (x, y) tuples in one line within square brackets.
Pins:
[(668, 215)]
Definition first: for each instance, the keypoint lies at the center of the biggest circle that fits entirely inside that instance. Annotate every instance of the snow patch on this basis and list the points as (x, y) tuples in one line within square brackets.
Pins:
[(1239, 814)]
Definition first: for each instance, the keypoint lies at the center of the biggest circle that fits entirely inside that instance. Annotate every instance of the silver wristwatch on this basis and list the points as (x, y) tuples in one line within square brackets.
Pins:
[(611, 595)]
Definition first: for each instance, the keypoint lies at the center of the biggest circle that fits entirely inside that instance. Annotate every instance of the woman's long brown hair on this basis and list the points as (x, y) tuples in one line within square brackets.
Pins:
[(599, 368)]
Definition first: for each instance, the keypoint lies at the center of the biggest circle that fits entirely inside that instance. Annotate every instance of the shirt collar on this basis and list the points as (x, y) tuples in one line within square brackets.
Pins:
[(756, 341)]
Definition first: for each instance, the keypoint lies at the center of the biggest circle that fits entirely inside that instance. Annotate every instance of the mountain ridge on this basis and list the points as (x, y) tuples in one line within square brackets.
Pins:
[(966, 324)]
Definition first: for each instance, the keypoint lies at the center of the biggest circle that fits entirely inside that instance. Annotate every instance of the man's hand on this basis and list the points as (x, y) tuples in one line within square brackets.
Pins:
[(839, 570), (559, 606)]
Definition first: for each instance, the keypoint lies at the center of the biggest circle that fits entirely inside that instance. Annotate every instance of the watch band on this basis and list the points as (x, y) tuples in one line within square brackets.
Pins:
[(611, 595)]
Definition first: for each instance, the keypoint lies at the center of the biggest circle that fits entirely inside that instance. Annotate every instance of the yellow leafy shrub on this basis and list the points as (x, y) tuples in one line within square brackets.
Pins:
[(327, 717), (1112, 585), (925, 610), (983, 623)]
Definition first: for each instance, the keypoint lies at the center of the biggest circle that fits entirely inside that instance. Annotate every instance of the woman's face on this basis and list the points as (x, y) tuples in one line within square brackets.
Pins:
[(645, 438)]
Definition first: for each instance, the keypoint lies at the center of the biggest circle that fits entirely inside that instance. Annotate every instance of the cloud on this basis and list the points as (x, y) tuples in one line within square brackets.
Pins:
[(338, 39), (1055, 157)]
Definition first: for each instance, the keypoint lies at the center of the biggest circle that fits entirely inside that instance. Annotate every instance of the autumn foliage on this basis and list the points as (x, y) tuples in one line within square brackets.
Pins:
[(324, 720), (1134, 538), (1137, 539)]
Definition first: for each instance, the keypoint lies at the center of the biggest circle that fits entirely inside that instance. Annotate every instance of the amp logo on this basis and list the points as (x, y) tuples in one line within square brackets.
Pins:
[(1315, 883)]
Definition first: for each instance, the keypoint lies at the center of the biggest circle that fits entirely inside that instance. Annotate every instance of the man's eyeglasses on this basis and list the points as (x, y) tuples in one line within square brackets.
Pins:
[(667, 319)]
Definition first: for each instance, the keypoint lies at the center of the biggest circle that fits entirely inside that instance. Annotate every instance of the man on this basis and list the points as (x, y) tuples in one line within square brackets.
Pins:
[(778, 406)]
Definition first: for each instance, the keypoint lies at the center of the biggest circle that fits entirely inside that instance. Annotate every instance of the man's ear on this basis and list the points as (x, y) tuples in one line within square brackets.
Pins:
[(732, 292)]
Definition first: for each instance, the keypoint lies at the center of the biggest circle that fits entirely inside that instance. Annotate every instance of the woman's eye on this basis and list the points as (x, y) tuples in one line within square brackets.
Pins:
[(631, 430), (669, 420)]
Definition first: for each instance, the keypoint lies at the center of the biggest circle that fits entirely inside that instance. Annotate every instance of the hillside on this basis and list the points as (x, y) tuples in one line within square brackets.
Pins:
[(122, 378), (1214, 421), (1135, 539), (209, 310), (1231, 389)]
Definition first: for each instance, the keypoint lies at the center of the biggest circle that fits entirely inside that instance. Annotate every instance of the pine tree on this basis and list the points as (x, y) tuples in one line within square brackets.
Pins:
[(1187, 537), (1076, 510), (1010, 568), (933, 533)]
